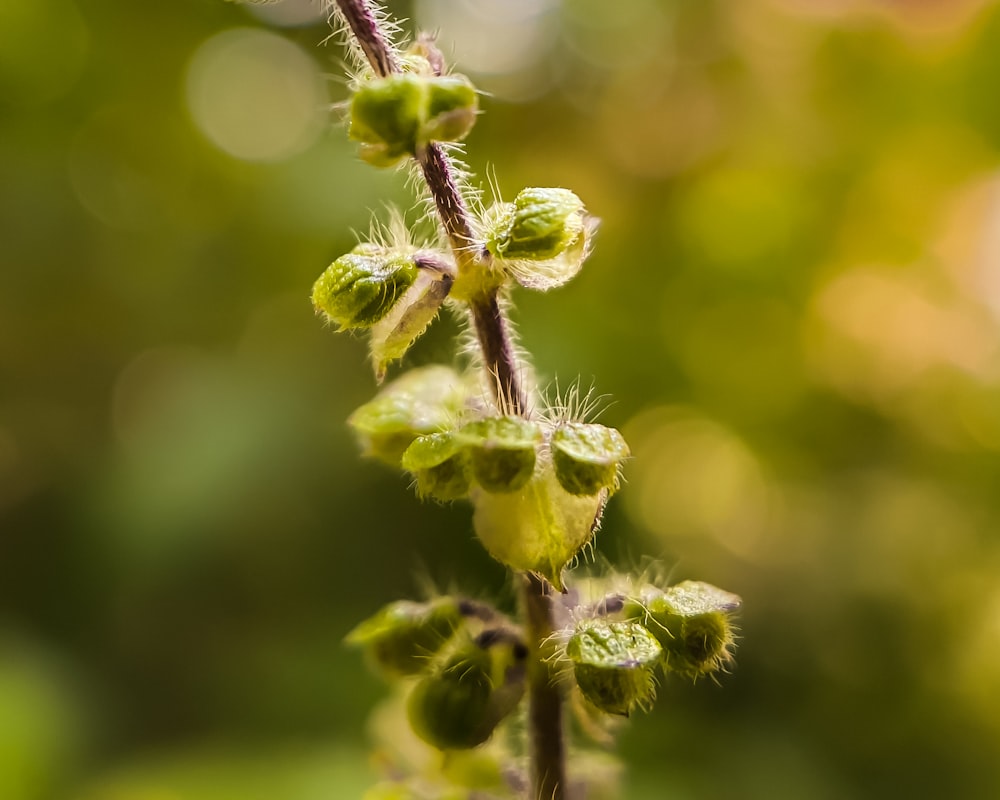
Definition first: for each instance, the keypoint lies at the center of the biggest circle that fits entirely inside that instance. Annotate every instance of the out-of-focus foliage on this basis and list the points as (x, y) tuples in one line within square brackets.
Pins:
[(794, 301)]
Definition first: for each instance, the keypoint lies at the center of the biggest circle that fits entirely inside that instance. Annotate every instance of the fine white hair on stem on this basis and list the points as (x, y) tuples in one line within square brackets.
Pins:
[(391, 28)]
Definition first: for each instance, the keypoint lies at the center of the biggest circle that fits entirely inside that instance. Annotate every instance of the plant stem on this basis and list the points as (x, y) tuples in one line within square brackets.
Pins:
[(546, 744), (547, 748)]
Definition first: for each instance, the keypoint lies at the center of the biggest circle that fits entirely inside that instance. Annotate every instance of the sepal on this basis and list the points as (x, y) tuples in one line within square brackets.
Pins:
[(613, 663), (403, 636), (440, 465), (693, 623), (421, 401), (587, 457)]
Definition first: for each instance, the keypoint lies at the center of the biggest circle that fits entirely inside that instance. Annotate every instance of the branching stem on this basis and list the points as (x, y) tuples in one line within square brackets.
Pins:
[(547, 747)]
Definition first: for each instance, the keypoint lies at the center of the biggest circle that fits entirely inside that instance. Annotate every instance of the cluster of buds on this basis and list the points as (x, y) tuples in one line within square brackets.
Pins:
[(549, 480), (468, 662), (393, 117), (685, 630)]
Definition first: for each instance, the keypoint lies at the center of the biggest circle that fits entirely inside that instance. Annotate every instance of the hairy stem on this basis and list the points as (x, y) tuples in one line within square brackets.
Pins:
[(547, 747), (372, 39)]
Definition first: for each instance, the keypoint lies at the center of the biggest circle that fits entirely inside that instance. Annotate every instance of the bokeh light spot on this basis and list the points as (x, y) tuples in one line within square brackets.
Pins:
[(255, 95), (692, 477), (504, 39)]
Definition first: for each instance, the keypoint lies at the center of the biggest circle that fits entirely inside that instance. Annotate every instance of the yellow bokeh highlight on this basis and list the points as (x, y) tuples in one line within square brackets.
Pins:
[(255, 95)]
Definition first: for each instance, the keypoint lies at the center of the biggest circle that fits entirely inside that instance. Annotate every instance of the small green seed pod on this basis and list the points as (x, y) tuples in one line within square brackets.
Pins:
[(452, 106), (403, 636), (692, 623), (540, 224), (421, 401), (502, 451), (359, 289), (440, 465), (459, 706), (386, 115), (587, 457), (393, 116), (613, 663)]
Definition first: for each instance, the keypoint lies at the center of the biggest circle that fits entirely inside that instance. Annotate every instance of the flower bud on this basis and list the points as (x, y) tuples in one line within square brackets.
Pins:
[(459, 706), (613, 664), (587, 457), (422, 401), (360, 288), (403, 636), (452, 106), (540, 224), (692, 623), (386, 114), (502, 451), (392, 116), (440, 465)]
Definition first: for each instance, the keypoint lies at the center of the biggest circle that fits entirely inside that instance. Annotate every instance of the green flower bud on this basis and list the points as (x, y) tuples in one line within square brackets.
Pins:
[(359, 289), (587, 457), (403, 636), (452, 106), (386, 115), (552, 525), (421, 401), (692, 623), (613, 663), (459, 706), (392, 116), (540, 224), (502, 451), (440, 465)]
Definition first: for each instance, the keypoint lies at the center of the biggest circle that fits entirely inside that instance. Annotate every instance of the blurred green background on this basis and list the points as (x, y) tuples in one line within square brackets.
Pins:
[(794, 303)]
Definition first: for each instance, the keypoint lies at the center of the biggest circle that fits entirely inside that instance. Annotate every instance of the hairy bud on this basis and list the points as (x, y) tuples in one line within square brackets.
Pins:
[(692, 623), (392, 116), (440, 465), (502, 451), (459, 705), (613, 663), (587, 457), (403, 636), (539, 224), (360, 288)]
